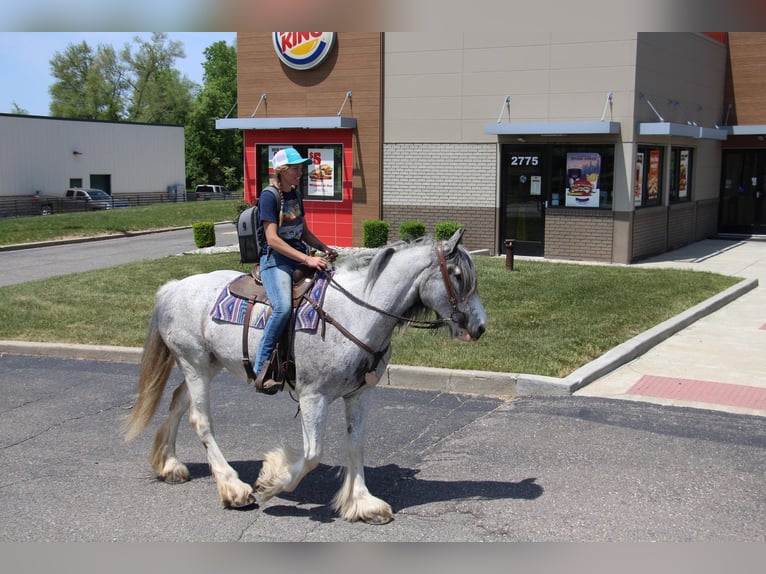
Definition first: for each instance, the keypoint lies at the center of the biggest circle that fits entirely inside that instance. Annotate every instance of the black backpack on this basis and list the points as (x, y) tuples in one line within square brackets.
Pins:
[(250, 231)]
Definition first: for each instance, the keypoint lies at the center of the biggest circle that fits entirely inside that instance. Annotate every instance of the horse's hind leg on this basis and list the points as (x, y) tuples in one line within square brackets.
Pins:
[(163, 454), (233, 492), (283, 468), (353, 501)]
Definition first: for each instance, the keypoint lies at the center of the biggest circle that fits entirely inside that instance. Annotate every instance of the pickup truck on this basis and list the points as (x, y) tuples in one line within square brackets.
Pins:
[(210, 191), (77, 199)]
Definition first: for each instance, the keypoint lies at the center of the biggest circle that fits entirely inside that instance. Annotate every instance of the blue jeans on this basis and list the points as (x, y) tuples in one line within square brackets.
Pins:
[(277, 277)]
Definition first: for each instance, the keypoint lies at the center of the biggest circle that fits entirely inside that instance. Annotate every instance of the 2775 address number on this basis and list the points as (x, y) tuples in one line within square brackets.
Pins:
[(521, 160)]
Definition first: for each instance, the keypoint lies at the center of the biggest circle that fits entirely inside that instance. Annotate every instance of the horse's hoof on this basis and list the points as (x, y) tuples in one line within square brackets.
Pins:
[(377, 519)]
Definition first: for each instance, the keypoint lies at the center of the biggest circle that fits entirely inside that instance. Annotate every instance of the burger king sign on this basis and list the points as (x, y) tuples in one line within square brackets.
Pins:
[(303, 50)]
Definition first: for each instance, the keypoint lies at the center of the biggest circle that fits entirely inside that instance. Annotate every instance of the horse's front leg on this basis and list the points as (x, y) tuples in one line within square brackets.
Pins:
[(233, 492), (353, 501), (284, 467)]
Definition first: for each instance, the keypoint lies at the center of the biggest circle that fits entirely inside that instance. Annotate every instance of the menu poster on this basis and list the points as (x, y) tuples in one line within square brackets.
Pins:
[(683, 169), (583, 172), (653, 178), (638, 187), (321, 172)]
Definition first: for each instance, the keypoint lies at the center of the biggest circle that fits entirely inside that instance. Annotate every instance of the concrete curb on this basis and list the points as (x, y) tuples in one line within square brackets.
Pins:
[(487, 383)]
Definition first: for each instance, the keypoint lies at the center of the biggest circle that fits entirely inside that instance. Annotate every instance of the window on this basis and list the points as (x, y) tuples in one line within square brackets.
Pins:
[(680, 174), (582, 176), (322, 179), (647, 187)]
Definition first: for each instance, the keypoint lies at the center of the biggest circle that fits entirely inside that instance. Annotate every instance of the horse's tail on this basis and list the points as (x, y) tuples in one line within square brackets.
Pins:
[(156, 364)]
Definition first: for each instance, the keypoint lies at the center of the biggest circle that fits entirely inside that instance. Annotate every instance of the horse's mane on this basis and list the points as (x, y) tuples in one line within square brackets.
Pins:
[(375, 260)]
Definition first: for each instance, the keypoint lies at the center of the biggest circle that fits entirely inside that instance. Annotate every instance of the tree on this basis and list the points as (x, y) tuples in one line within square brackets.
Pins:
[(215, 156), (18, 110), (139, 85), (158, 92)]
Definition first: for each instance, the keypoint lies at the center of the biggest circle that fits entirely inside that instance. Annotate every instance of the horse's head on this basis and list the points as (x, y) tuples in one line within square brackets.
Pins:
[(451, 290)]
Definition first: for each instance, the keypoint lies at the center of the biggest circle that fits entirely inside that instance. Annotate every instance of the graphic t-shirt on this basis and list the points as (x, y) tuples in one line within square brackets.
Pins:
[(292, 219)]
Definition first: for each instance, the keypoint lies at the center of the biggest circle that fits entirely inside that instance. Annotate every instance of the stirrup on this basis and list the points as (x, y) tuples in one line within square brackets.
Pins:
[(264, 380)]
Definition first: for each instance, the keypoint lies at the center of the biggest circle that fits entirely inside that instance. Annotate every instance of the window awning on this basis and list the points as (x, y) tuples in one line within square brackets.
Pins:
[(552, 128), (746, 130), (307, 123), (681, 130)]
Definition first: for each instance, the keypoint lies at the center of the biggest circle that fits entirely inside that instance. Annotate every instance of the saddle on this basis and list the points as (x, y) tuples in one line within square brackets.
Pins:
[(280, 367)]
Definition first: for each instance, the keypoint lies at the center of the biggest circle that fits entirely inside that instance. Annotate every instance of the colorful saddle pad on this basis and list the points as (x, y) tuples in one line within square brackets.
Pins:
[(231, 309)]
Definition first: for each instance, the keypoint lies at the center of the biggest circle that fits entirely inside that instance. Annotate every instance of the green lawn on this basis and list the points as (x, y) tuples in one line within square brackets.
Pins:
[(157, 216), (543, 318)]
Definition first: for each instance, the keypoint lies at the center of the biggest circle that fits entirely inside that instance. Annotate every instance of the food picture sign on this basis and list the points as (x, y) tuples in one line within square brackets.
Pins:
[(583, 171), (321, 172), (303, 50)]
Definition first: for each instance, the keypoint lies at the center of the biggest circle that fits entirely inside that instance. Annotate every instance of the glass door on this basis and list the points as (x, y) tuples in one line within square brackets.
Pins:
[(743, 192), (522, 199)]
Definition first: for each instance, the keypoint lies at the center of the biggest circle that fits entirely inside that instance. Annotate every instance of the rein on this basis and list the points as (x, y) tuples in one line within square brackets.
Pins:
[(457, 315)]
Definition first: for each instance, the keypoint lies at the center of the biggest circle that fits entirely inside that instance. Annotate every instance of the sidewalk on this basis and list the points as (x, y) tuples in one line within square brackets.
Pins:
[(719, 361)]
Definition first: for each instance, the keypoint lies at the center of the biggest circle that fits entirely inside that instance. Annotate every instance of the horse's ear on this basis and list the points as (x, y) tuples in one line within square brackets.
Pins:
[(451, 243)]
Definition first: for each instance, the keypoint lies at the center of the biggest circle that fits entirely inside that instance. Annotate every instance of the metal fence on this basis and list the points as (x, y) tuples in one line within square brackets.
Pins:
[(29, 205)]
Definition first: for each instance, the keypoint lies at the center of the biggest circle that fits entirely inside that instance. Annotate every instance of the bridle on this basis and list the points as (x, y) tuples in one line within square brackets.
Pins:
[(457, 316)]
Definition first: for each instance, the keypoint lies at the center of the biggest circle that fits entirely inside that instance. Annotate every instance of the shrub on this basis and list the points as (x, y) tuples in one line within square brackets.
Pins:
[(375, 232), (445, 229), (410, 230), (204, 234)]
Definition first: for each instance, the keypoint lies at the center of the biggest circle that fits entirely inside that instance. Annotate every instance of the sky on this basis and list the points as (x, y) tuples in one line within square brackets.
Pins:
[(25, 60)]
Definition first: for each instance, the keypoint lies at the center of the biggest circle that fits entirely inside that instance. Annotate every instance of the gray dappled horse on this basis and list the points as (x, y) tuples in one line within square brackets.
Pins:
[(371, 293)]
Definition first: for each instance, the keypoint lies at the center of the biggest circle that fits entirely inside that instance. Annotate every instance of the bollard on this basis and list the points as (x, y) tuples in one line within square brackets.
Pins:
[(509, 254)]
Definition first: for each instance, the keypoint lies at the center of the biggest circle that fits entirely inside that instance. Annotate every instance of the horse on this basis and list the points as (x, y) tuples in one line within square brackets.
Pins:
[(371, 293)]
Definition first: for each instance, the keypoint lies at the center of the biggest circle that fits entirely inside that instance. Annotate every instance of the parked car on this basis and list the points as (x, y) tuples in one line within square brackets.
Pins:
[(210, 191), (93, 199)]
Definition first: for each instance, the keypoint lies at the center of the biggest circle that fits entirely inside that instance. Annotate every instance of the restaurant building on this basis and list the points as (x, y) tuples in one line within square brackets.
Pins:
[(613, 147)]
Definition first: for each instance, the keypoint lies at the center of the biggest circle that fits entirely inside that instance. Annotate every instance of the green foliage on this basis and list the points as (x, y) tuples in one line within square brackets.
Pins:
[(409, 230), (215, 156), (204, 233), (141, 84), (445, 229), (375, 232)]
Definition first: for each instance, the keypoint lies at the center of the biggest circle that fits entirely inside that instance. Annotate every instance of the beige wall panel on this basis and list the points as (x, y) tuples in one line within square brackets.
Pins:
[(519, 39), (428, 85), (506, 83), (404, 63), (593, 80), (507, 58), (437, 108), (423, 41), (415, 130), (602, 54)]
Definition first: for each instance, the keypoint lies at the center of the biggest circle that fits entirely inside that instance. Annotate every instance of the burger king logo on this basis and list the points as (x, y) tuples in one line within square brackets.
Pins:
[(303, 50)]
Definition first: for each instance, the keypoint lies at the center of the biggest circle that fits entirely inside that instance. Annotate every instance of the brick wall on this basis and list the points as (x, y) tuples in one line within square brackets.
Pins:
[(649, 232), (681, 222), (432, 183), (706, 224), (579, 234)]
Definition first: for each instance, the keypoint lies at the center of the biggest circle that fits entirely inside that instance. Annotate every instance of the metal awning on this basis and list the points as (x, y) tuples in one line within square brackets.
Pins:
[(681, 130), (307, 123), (746, 130), (552, 128)]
